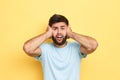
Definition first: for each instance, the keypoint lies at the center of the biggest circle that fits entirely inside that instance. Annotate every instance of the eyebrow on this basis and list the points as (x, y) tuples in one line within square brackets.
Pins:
[(62, 26), (57, 27), (54, 27)]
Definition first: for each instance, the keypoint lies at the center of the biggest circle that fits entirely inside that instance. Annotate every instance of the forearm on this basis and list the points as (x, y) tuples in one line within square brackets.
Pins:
[(32, 44), (88, 43)]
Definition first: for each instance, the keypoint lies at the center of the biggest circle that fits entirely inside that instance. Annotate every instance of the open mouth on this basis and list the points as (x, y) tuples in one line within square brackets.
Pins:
[(59, 37)]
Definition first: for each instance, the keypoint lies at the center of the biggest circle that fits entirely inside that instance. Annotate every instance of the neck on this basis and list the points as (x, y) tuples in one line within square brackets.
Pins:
[(60, 46)]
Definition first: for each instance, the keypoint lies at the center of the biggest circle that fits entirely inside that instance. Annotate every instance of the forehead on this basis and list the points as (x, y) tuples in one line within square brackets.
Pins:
[(59, 24)]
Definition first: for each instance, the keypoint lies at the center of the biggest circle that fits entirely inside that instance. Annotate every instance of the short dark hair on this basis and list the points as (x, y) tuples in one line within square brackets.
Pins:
[(58, 18)]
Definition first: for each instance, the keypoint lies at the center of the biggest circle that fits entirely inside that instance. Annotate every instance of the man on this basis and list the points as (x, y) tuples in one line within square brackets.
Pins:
[(60, 59)]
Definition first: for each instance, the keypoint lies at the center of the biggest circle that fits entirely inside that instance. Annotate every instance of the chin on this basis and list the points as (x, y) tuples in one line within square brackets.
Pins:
[(61, 42)]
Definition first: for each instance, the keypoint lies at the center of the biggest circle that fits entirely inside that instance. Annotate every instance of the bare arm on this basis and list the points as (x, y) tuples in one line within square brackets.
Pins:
[(88, 44), (31, 47)]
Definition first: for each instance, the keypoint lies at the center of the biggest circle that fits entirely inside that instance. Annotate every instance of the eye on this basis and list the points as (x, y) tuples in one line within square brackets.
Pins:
[(62, 28), (55, 28)]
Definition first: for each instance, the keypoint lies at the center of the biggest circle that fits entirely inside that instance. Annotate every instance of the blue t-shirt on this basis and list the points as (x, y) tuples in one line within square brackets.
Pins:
[(61, 63)]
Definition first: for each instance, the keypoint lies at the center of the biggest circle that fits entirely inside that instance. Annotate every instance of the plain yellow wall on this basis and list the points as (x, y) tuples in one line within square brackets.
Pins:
[(21, 20)]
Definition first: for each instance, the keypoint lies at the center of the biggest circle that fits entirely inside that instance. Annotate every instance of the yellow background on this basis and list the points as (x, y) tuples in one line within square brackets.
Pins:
[(21, 20)]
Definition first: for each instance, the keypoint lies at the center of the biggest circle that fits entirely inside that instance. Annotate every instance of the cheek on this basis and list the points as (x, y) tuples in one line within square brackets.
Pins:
[(54, 33), (65, 33)]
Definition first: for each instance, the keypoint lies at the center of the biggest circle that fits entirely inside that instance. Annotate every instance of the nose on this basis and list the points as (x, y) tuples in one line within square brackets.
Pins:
[(59, 30)]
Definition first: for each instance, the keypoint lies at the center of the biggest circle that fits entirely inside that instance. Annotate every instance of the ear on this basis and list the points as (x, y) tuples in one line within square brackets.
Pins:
[(68, 25)]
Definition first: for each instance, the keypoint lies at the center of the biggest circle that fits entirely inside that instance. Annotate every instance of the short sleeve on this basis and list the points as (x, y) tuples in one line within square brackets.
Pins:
[(80, 53), (43, 49), (83, 55)]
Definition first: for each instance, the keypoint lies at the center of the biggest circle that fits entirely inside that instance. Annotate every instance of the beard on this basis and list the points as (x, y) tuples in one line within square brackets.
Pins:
[(59, 43)]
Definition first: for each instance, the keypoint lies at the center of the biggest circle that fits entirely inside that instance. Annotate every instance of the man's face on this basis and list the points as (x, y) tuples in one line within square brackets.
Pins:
[(59, 35)]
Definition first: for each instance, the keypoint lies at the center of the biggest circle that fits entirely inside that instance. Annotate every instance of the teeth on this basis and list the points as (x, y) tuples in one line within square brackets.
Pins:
[(59, 36)]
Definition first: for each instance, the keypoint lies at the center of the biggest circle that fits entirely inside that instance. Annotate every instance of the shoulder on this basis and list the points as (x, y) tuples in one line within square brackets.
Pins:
[(46, 44), (74, 44)]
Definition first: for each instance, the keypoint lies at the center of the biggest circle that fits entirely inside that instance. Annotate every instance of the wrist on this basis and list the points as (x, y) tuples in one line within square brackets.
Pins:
[(70, 34), (47, 34)]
